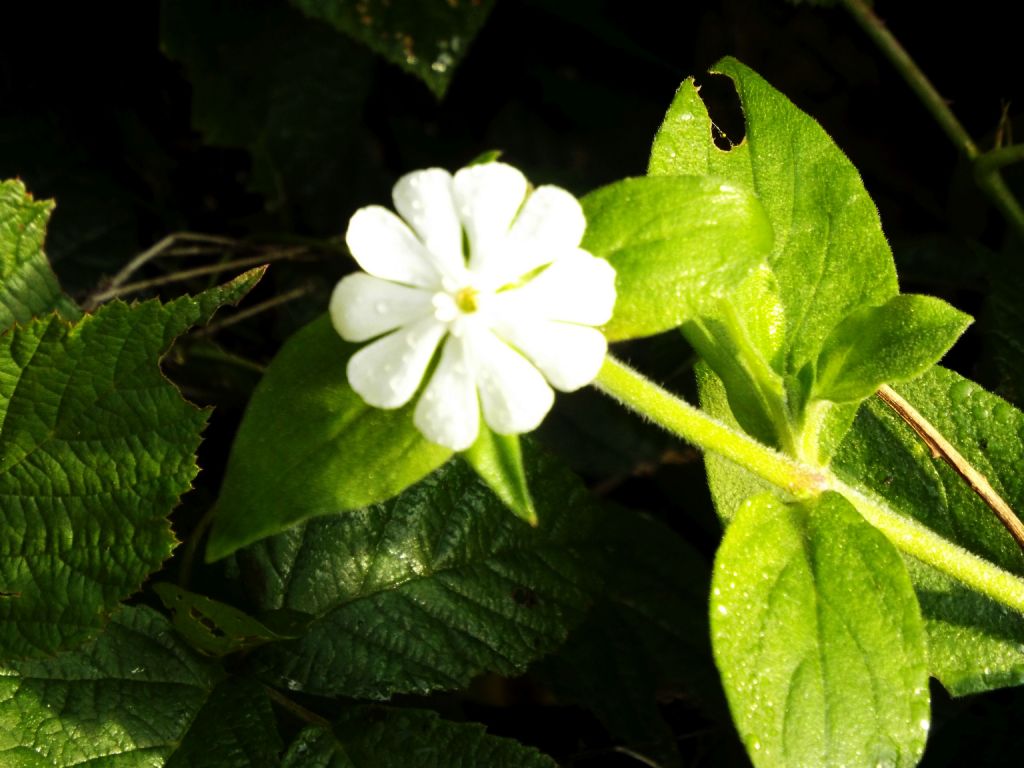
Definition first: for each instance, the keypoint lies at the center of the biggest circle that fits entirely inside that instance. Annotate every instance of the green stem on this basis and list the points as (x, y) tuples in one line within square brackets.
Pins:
[(695, 426), (994, 159), (991, 183)]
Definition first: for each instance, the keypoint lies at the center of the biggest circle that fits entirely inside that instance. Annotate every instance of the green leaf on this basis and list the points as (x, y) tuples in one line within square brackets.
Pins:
[(974, 644), (126, 699), (235, 728), (498, 460), (210, 626), (309, 446), (888, 344), (741, 339), (676, 244), (28, 286), (830, 256), (384, 737), (818, 636), (287, 89), (652, 620), (425, 39), (429, 589), (97, 448)]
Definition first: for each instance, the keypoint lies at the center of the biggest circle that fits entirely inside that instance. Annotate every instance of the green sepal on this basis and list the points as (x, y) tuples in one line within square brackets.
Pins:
[(677, 244), (498, 460), (488, 156), (210, 626), (888, 344)]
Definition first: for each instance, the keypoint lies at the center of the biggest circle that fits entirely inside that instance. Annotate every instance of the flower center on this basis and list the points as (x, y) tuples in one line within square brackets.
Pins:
[(466, 299)]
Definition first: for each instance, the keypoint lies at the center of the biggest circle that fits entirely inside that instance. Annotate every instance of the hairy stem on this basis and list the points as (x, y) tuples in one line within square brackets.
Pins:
[(695, 426), (990, 181)]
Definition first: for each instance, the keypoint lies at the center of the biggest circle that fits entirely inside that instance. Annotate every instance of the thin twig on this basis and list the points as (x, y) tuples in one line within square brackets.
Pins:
[(255, 309), (164, 244), (992, 183), (188, 274), (941, 448)]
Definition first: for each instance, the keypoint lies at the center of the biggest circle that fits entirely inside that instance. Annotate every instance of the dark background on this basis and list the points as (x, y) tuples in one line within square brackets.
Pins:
[(94, 114)]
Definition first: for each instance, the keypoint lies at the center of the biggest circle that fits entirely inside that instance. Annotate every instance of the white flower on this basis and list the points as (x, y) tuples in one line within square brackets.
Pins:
[(512, 315)]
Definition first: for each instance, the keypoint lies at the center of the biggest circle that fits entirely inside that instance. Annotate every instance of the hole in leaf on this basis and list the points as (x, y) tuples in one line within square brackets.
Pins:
[(728, 128)]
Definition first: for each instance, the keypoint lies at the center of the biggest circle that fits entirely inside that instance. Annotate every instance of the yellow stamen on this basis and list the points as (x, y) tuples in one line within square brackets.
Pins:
[(465, 299)]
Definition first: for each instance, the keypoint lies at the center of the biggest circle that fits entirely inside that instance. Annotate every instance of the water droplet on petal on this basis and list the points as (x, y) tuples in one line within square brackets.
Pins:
[(381, 307)]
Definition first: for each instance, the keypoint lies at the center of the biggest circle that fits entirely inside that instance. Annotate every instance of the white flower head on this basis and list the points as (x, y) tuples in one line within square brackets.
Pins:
[(493, 275)]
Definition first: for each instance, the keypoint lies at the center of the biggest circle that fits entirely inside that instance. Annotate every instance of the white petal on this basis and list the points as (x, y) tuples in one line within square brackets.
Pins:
[(513, 393), (448, 411), (576, 288), (569, 356), (363, 306), (550, 217), (385, 247), (487, 198), (387, 373), (550, 224), (424, 199)]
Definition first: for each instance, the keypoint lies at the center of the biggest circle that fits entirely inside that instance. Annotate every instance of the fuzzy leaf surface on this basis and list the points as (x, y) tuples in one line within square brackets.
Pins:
[(427, 40), (818, 636), (431, 588), (974, 644), (97, 448), (888, 344), (829, 256), (677, 243), (384, 737), (310, 446), (124, 700)]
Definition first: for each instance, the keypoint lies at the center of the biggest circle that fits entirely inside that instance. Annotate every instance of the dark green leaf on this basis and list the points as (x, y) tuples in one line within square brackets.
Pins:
[(126, 699), (235, 728), (384, 737), (676, 243), (28, 286), (974, 644), (498, 460), (310, 446), (819, 639), (426, 39), (97, 448), (211, 626), (429, 589), (644, 642), (285, 88), (888, 344), (830, 256)]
